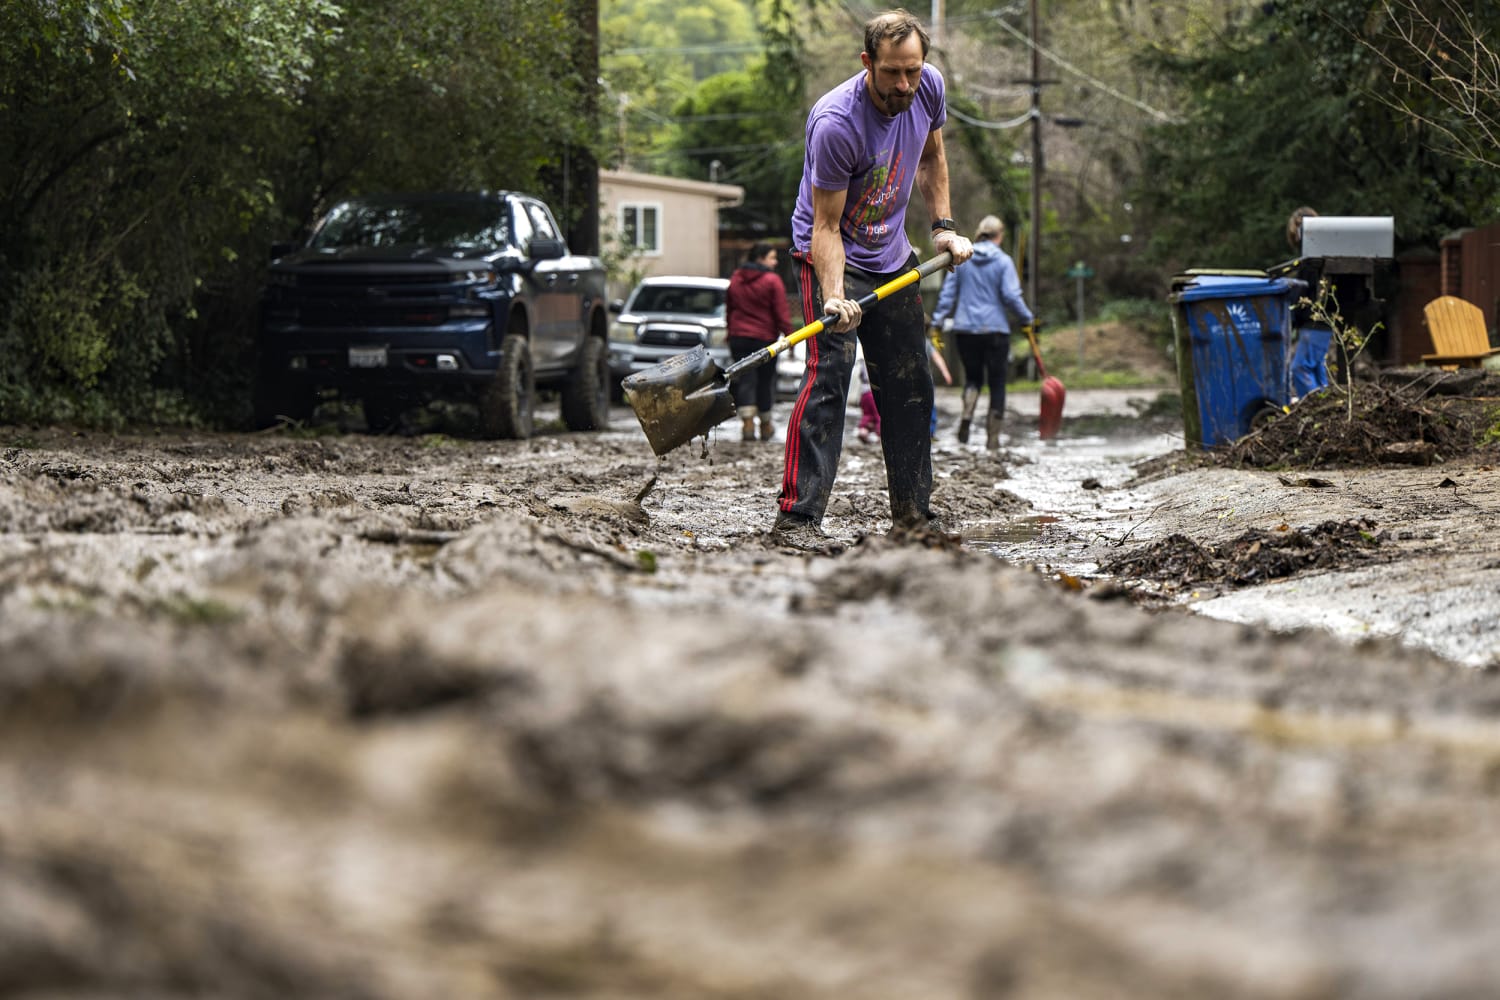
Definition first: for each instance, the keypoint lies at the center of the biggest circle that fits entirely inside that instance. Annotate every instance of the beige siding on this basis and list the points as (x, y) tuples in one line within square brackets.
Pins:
[(687, 221)]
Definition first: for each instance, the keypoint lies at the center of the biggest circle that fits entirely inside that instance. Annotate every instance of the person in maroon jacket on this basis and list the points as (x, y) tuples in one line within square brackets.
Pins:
[(755, 315)]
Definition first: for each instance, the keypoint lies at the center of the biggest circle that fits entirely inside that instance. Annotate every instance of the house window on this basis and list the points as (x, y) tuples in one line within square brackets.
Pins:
[(640, 227)]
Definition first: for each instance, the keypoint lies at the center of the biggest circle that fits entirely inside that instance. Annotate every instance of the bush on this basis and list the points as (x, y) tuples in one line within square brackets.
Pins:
[(1151, 316)]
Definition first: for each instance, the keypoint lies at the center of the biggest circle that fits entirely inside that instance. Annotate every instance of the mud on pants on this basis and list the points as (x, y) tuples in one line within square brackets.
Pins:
[(893, 335)]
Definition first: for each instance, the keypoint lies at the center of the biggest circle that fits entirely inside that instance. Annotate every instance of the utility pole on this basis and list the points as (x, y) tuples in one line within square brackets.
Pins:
[(1034, 247), (936, 32)]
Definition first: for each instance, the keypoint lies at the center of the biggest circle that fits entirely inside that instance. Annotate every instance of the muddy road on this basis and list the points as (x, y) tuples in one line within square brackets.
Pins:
[(347, 716)]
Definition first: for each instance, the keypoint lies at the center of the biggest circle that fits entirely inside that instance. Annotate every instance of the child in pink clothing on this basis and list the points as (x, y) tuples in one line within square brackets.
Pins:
[(869, 417)]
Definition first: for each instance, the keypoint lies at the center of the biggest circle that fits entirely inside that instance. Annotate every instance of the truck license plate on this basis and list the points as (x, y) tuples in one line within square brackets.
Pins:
[(367, 357)]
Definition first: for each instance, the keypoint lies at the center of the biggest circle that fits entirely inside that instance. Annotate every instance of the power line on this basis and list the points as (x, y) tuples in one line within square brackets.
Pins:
[(1015, 122), (1053, 57), (706, 49), (706, 150), (725, 117)]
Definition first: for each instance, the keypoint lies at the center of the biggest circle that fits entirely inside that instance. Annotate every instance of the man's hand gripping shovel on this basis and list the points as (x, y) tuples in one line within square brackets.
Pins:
[(689, 395)]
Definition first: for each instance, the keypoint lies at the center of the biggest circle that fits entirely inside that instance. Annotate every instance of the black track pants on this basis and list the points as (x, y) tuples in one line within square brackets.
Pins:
[(986, 356), (756, 387), (894, 339)]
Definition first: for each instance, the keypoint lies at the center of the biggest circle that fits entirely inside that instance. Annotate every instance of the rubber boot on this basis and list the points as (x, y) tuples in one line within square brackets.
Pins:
[(767, 429), (992, 431), (747, 423), (971, 399)]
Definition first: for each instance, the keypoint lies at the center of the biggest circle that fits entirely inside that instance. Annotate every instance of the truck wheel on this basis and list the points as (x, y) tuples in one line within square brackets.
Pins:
[(505, 405), (585, 397), (383, 412), (271, 406)]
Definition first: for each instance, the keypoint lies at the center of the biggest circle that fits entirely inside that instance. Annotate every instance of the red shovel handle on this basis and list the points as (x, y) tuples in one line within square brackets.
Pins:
[(1036, 353)]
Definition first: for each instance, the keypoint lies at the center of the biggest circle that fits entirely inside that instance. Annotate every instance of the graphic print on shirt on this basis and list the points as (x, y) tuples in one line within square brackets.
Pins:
[(866, 220)]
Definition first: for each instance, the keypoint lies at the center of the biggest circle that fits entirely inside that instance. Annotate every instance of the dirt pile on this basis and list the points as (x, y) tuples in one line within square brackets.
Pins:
[(1254, 556), (1405, 418)]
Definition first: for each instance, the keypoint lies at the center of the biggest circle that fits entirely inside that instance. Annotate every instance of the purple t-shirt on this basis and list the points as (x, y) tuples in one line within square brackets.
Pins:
[(852, 146)]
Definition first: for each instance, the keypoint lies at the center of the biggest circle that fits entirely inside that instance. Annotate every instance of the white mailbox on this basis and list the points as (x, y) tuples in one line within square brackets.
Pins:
[(1372, 237)]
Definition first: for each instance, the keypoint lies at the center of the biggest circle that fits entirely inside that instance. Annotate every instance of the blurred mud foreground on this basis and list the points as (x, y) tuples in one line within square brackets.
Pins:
[(347, 716)]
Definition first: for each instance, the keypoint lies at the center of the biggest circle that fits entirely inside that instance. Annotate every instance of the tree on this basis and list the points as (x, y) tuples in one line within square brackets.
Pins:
[(1444, 68), (129, 170), (151, 150), (654, 54), (1292, 109), (756, 144)]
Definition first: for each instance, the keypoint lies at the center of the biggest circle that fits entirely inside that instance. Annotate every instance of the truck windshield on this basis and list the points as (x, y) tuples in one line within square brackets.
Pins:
[(679, 299), (456, 223)]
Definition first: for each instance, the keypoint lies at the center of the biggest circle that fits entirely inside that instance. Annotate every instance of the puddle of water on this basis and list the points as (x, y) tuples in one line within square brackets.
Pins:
[(1023, 529), (1458, 621), (1052, 478)]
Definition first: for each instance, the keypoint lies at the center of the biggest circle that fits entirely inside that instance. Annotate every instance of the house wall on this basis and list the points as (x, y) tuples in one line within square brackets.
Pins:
[(687, 220)]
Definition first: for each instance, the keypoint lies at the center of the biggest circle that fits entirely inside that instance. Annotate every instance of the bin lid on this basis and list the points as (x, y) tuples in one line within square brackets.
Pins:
[(1227, 285)]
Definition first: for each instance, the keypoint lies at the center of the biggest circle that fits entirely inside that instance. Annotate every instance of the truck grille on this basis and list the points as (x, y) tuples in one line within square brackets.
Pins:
[(341, 314), (672, 335)]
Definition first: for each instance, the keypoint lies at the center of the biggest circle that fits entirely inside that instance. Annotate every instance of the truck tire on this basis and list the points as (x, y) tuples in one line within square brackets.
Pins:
[(585, 397), (383, 411), (273, 405), (505, 405)]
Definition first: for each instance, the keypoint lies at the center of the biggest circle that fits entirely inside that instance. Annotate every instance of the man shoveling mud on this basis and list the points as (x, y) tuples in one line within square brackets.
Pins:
[(849, 237)]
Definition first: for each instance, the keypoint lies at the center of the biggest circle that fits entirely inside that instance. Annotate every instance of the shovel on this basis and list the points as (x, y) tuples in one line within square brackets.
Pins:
[(688, 395), (1052, 392)]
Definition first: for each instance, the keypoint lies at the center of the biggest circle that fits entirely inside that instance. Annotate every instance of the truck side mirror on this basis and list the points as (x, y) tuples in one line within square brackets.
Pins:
[(546, 248), (281, 249)]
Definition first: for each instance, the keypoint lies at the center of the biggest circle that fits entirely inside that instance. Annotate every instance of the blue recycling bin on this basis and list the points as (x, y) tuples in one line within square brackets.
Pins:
[(1234, 344)]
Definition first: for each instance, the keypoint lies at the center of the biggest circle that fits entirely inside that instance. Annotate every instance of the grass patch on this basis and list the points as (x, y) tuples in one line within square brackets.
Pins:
[(1089, 380), (1491, 433), (195, 611)]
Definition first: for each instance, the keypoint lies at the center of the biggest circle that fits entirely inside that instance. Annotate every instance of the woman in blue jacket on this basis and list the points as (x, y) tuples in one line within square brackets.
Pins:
[(973, 304)]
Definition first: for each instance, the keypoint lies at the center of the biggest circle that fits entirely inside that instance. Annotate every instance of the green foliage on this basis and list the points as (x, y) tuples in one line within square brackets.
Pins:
[(1491, 434), (1290, 109), (184, 610), (1152, 316), (989, 154), (757, 144), (653, 55), (151, 150)]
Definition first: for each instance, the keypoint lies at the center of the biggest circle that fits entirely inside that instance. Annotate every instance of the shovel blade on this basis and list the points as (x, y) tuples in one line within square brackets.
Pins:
[(1053, 394), (682, 398)]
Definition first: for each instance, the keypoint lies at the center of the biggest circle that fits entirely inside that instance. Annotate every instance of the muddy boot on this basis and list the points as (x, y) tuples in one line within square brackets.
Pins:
[(747, 423), (992, 431), (792, 532), (767, 429), (971, 398)]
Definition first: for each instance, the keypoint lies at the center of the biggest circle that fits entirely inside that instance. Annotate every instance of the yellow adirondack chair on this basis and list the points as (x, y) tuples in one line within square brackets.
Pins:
[(1458, 333)]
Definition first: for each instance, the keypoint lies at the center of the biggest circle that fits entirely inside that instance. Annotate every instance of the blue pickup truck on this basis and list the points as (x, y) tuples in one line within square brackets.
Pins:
[(399, 299)]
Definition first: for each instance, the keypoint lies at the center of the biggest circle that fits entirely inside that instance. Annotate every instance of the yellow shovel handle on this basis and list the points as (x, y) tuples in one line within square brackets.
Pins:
[(891, 287)]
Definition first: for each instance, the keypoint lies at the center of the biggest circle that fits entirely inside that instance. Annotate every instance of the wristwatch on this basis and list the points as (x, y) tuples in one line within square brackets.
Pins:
[(941, 224)]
